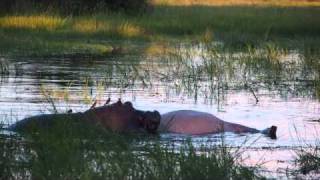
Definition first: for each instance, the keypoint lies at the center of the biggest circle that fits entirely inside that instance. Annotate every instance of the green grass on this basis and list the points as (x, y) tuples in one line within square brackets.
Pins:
[(308, 160), (73, 151), (100, 34), (285, 3), (213, 72)]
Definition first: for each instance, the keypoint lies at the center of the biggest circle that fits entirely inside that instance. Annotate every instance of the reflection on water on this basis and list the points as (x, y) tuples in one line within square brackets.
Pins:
[(257, 88)]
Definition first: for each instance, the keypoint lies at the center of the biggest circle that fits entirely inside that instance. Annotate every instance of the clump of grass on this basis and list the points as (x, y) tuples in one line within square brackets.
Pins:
[(129, 30), (32, 22), (4, 66), (91, 25), (72, 150), (308, 160)]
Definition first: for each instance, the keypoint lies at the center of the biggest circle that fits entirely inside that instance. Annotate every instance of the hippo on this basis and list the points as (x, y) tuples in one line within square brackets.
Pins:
[(118, 117), (200, 123), (122, 117)]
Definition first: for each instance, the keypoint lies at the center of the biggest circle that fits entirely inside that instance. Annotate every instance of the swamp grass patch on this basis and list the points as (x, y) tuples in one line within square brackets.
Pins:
[(308, 160), (82, 152), (234, 26), (286, 3), (212, 71), (74, 7)]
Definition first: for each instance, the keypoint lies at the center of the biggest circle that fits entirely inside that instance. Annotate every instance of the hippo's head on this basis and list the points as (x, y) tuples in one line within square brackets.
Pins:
[(124, 117), (150, 120)]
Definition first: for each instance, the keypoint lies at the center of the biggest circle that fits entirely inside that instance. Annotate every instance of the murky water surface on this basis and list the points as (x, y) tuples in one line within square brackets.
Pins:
[(249, 89)]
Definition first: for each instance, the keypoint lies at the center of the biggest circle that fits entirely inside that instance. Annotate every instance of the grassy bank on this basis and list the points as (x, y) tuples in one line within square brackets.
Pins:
[(104, 34), (86, 152), (286, 3)]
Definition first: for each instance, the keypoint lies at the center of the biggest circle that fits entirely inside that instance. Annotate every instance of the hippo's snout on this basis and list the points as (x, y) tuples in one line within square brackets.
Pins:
[(152, 121)]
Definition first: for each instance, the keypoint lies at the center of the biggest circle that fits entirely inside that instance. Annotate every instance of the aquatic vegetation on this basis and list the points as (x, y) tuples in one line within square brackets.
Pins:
[(4, 66), (211, 71), (90, 152), (75, 7), (308, 159), (128, 30), (236, 2), (40, 22), (234, 26), (91, 26)]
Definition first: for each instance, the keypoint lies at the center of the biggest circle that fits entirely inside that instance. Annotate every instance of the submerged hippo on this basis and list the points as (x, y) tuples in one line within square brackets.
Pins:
[(200, 123), (122, 117), (118, 117)]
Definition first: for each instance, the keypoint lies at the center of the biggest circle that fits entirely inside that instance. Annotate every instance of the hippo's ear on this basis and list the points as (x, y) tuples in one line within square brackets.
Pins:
[(157, 116), (128, 104), (119, 103)]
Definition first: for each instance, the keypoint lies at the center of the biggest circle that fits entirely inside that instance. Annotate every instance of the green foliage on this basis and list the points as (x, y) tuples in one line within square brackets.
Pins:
[(308, 160), (4, 66), (75, 7), (236, 27), (68, 151)]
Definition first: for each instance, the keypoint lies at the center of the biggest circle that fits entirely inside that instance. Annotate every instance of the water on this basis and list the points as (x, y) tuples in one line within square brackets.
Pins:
[(249, 89)]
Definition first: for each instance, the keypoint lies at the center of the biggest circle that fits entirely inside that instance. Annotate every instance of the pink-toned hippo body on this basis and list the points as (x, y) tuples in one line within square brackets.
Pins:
[(199, 123)]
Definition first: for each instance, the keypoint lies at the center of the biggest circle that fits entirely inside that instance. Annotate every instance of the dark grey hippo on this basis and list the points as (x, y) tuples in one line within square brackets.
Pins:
[(200, 123), (122, 117), (118, 117)]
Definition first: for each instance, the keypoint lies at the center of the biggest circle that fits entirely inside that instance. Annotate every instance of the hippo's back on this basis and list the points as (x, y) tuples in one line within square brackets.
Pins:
[(42, 121), (190, 122)]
